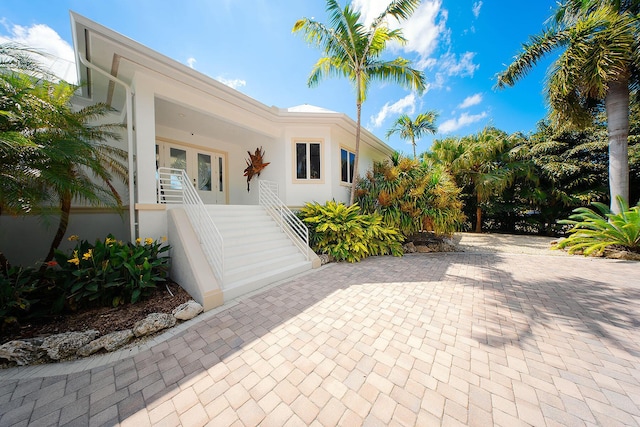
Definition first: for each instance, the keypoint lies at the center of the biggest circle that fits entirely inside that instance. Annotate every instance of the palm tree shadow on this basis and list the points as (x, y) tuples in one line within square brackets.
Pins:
[(514, 308)]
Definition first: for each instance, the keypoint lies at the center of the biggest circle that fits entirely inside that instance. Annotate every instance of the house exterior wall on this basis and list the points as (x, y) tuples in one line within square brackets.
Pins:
[(25, 240)]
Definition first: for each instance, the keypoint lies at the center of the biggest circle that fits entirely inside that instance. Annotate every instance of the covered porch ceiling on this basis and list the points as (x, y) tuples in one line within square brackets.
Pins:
[(181, 117)]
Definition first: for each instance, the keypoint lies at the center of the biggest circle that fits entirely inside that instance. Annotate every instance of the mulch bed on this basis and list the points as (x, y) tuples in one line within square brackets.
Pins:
[(103, 319)]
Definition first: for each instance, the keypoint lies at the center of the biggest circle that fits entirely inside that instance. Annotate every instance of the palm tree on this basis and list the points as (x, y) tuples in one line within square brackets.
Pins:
[(76, 162), (599, 66), (352, 49), (412, 129), (51, 155), (21, 110), (484, 163)]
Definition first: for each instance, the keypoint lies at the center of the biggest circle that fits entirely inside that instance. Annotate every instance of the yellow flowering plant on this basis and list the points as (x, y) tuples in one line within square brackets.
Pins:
[(112, 272)]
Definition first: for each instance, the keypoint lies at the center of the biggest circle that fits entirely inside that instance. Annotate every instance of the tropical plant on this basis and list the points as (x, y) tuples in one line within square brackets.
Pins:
[(347, 235), (110, 272), (484, 164), (77, 162), (598, 67), (20, 111), (26, 294), (17, 286), (412, 196), (571, 167), (592, 232), (353, 50), (51, 155), (411, 129)]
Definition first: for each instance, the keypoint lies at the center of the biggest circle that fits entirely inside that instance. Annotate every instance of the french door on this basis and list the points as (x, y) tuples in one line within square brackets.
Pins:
[(206, 169)]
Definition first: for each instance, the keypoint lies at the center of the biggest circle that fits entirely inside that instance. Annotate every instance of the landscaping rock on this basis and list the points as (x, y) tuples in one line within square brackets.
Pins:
[(188, 310), (436, 247), (409, 248), (153, 323), (624, 255), (426, 241), (23, 352), (64, 345), (109, 342)]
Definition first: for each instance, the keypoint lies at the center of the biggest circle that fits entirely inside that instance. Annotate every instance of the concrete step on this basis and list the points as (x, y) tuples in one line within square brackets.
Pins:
[(247, 257), (234, 211), (234, 239), (255, 246), (259, 267), (241, 229), (257, 251)]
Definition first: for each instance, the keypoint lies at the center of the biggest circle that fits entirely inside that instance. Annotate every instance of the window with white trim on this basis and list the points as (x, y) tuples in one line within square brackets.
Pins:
[(308, 159), (347, 161)]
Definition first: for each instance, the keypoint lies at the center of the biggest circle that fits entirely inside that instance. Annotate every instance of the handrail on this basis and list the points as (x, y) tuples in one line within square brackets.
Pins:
[(174, 187), (289, 223)]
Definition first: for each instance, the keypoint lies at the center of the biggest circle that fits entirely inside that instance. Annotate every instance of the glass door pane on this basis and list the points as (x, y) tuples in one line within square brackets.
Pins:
[(220, 176), (178, 158), (204, 172)]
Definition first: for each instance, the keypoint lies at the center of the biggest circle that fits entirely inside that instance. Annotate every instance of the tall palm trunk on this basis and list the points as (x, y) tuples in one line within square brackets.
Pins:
[(357, 157), (65, 209), (617, 107), (413, 142), (478, 215)]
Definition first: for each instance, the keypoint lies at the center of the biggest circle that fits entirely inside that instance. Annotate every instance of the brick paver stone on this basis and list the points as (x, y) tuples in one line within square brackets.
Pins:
[(427, 339)]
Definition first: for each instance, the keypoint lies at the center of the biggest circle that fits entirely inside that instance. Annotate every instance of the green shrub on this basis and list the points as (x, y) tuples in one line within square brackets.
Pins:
[(411, 196), (592, 233), (16, 289), (347, 235), (26, 293), (112, 272)]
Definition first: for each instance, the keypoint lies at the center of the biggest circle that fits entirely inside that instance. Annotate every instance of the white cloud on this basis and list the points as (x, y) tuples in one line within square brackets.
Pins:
[(425, 28), (423, 31), (406, 105), (471, 101), (59, 58), (191, 61), (369, 9), (458, 122), (452, 66), (232, 83), (476, 8)]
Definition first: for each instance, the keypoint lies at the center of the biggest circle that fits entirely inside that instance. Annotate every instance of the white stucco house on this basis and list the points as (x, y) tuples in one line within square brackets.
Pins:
[(178, 118)]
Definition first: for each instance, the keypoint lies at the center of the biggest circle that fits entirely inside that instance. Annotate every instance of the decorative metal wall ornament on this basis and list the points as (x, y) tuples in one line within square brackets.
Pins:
[(255, 164)]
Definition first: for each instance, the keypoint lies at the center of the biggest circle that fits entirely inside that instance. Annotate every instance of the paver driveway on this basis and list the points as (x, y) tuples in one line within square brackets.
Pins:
[(434, 339)]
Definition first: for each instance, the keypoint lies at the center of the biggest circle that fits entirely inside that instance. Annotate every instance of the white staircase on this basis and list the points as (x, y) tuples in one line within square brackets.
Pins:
[(256, 250)]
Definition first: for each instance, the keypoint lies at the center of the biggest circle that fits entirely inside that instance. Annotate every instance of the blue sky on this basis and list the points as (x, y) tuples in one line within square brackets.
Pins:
[(248, 44)]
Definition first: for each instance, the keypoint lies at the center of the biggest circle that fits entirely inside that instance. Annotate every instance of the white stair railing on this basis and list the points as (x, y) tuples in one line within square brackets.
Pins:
[(289, 223), (175, 187)]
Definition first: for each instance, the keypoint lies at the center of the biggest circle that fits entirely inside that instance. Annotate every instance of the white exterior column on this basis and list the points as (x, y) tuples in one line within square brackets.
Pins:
[(152, 220)]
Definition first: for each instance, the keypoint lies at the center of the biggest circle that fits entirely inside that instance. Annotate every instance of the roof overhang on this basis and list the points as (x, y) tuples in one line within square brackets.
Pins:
[(121, 57)]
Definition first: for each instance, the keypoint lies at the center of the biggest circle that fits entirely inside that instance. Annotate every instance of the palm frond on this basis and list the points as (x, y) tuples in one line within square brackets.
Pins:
[(538, 46)]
